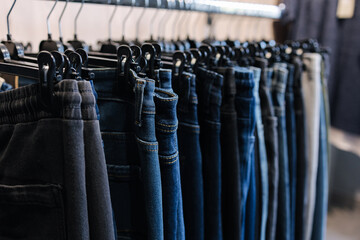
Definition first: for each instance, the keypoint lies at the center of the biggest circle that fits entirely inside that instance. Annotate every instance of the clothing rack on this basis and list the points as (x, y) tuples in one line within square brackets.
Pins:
[(207, 6)]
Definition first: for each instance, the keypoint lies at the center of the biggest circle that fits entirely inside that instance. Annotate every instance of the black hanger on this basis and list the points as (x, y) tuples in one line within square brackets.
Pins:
[(49, 44), (179, 61), (148, 52), (60, 63)]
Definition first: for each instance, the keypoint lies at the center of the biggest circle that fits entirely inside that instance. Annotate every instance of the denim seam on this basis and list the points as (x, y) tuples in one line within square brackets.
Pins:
[(150, 112), (163, 130), (150, 144), (166, 125)]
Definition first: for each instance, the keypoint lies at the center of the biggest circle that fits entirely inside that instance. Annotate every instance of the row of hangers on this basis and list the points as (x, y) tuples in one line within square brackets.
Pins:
[(74, 60)]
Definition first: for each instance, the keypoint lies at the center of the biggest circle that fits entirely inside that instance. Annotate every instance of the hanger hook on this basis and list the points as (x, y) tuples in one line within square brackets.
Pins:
[(158, 3), (177, 18), (197, 21), (161, 24), (47, 19), (60, 18), (126, 18), (76, 18), (8, 21), (139, 19), (112, 17)]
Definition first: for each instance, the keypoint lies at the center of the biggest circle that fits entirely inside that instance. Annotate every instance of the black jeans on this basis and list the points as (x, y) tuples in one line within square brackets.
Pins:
[(44, 191), (301, 150), (230, 162), (208, 87)]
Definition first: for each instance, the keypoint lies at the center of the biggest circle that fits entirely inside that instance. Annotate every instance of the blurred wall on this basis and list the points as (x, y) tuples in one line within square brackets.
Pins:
[(28, 23)]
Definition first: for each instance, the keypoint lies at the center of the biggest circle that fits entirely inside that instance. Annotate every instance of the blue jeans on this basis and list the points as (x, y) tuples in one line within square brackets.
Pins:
[(291, 143), (261, 162), (245, 108), (278, 94), (128, 131), (166, 125), (208, 87), (190, 156)]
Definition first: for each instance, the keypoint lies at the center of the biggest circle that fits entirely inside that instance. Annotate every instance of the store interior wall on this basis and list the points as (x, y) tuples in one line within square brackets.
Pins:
[(28, 23)]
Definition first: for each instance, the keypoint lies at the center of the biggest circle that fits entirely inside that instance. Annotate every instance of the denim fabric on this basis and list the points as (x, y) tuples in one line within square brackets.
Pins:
[(190, 156), (271, 142), (321, 202), (166, 125), (278, 95), (311, 83), (230, 163), (132, 159), (291, 143), (42, 165), (301, 151), (251, 217), (262, 161), (100, 219), (245, 108), (208, 87)]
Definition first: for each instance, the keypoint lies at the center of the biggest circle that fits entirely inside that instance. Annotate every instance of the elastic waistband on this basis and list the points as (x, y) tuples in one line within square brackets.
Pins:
[(26, 105)]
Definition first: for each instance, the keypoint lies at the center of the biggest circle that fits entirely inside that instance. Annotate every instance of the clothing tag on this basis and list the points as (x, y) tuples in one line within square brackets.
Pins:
[(345, 9)]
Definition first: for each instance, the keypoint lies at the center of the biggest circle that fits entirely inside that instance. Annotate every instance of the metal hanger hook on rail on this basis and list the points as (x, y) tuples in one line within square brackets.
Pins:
[(161, 28), (48, 19), (76, 19), (60, 18), (139, 19), (158, 4), (8, 21), (177, 19), (112, 17), (126, 18)]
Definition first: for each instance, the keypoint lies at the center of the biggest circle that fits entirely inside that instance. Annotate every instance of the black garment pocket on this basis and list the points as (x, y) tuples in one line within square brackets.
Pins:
[(31, 212)]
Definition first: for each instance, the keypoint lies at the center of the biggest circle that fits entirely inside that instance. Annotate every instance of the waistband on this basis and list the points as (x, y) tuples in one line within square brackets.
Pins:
[(164, 76), (229, 87), (279, 79), (245, 83), (26, 105), (209, 85)]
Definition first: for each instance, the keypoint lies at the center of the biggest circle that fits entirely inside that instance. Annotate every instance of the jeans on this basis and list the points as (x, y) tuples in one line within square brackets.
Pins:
[(278, 95), (50, 198), (208, 87), (190, 156), (321, 202), (261, 162), (291, 143), (311, 83), (166, 125), (128, 131), (301, 151), (245, 108), (271, 143), (230, 164), (4, 86)]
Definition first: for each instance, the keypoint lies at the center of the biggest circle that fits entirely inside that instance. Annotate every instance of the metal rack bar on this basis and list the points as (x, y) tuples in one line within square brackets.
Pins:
[(207, 6)]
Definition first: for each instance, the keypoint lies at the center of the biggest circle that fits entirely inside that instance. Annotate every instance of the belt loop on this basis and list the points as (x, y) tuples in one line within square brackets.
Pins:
[(139, 99)]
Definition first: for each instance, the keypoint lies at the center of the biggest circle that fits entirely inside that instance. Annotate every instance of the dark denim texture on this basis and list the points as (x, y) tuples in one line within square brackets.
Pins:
[(190, 156), (291, 143), (100, 218), (55, 192), (5, 86), (230, 163), (128, 131), (245, 108), (209, 86), (166, 125), (261, 162), (251, 204), (278, 95), (301, 150), (271, 142)]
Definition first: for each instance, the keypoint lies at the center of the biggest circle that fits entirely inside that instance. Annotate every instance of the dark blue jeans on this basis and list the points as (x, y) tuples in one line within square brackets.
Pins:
[(301, 150), (245, 108), (208, 87), (271, 142), (230, 163), (190, 156), (127, 123), (291, 143), (166, 125), (278, 95)]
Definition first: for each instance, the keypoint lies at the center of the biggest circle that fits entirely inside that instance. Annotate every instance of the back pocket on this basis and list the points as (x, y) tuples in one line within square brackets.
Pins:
[(31, 212)]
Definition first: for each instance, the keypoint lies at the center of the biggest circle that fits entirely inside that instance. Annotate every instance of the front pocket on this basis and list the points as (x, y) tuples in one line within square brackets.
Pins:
[(31, 212)]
